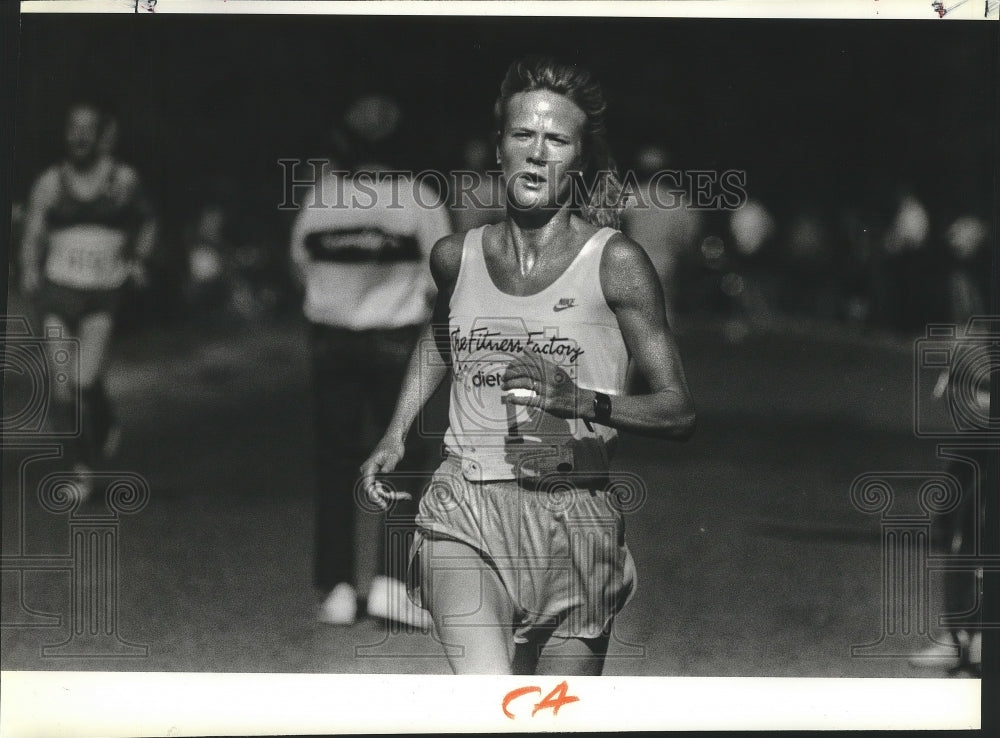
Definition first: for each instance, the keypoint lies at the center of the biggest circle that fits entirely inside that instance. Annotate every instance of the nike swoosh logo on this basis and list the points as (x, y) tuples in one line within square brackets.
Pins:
[(559, 308)]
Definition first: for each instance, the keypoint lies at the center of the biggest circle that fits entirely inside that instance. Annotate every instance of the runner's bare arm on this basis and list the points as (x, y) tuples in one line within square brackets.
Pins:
[(35, 230), (145, 238), (425, 371), (633, 291)]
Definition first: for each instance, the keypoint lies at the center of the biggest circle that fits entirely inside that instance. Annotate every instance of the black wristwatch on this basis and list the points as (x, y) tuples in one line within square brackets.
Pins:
[(602, 408)]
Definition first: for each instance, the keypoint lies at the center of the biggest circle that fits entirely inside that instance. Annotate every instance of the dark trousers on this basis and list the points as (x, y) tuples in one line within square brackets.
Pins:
[(357, 376), (963, 532)]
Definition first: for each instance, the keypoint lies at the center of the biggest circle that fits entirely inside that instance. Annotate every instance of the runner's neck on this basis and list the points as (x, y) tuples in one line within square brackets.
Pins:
[(528, 246)]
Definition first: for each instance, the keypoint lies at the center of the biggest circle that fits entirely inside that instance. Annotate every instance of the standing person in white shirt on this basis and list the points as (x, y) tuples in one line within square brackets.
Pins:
[(360, 245)]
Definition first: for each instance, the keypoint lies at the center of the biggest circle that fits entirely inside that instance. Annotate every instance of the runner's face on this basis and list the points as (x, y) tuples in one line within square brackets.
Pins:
[(541, 143), (82, 134)]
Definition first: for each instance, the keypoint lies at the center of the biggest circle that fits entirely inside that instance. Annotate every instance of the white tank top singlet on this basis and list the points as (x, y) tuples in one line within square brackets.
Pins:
[(87, 238), (569, 324)]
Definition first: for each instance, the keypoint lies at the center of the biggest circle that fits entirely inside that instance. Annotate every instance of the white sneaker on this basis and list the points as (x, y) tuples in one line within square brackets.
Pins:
[(340, 606), (939, 655), (387, 599), (976, 649)]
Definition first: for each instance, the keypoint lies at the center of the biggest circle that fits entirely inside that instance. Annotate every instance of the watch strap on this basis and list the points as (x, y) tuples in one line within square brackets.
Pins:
[(602, 408)]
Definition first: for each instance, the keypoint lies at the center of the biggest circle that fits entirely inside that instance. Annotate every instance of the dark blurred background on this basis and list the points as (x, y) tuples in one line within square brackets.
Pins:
[(870, 152), (846, 130)]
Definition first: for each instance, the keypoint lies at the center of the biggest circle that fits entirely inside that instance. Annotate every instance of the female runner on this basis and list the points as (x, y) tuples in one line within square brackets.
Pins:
[(520, 546)]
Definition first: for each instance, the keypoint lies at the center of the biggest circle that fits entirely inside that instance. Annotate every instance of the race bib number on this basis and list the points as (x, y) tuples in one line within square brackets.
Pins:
[(87, 256)]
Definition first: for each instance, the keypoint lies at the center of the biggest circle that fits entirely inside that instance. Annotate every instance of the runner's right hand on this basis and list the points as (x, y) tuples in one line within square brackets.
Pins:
[(383, 460)]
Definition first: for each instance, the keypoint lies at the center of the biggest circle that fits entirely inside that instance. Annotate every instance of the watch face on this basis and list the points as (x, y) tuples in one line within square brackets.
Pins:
[(602, 407)]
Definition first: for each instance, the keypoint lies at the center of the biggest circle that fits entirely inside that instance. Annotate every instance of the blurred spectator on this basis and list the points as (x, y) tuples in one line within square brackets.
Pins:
[(960, 531), (752, 283), (910, 226), (700, 274), (968, 268), (899, 268), (232, 270), (876, 264), (662, 222), (966, 274), (361, 245), (208, 287), (856, 233), (478, 198), (809, 286)]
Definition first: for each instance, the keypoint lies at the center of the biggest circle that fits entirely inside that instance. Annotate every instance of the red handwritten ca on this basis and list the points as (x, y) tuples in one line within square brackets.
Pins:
[(552, 701)]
